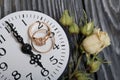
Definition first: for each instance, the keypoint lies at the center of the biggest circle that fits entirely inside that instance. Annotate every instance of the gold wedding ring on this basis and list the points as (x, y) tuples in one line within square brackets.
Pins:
[(33, 26), (41, 38), (40, 43)]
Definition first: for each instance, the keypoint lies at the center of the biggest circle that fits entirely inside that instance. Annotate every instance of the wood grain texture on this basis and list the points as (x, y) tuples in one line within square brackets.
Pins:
[(105, 13)]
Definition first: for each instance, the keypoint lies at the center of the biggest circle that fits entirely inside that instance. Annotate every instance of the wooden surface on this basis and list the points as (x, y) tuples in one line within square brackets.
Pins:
[(105, 13)]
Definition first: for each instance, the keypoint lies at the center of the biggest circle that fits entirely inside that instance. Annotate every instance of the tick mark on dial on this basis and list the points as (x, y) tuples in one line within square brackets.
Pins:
[(60, 38), (37, 17), (15, 17), (57, 70), (8, 20), (59, 35), (60, 63), (23, 16), (2, 76), (8, 29), (62, 41), (58, 32), (63, 45), (26, 15), (53, 26), (3, 24), (62, 59), (63, 52), (5, 78), (30, 15), (24, 22), (54, 72), (51, 75), (47, 21), (44, 19), (58, 66), (34, 16), (56, 29), (63, 48), (63, 56), (12, 18), (19, 16), (50, 24), (41, 18)]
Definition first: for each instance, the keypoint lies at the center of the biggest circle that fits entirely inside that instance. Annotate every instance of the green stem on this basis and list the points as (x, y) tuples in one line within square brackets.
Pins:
[(69, 73), (79, 60), (94, 56), (88, 58), (76, 54)]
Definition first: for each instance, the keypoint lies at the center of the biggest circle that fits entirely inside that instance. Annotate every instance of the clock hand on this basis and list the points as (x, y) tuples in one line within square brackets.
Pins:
[(36, 59), (26, 48)]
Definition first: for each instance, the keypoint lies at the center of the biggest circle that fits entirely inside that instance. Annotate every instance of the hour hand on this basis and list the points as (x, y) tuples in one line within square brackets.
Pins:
[(35, 59)]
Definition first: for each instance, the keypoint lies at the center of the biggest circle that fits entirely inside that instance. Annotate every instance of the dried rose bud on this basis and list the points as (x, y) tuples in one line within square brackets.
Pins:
[(87, 29), (74, 28), (96, 42), (66, 20), (94, 66)]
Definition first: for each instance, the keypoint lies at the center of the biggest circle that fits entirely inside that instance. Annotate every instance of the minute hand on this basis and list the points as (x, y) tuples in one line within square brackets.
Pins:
[(26, 48)]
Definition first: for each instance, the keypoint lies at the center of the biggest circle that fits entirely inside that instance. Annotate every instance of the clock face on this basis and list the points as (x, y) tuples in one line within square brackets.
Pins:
[(14, 65)]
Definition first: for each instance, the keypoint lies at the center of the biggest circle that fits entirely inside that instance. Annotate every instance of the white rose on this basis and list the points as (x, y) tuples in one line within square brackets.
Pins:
[(96, 42)]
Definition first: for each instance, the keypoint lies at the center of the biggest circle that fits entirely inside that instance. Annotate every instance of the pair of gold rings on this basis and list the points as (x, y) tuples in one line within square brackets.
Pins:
[(41, 37)]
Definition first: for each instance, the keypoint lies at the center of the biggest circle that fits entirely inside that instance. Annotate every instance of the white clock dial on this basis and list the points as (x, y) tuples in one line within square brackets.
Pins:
[(15, 65)]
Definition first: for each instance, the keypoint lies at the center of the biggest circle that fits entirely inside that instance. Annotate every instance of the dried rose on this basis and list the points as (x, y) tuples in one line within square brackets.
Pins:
[(96, 42), (87, 29), (74, 28), (66, 20)]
